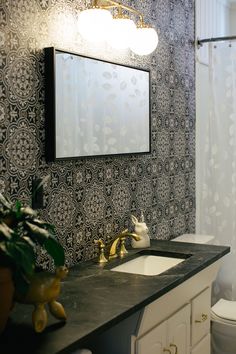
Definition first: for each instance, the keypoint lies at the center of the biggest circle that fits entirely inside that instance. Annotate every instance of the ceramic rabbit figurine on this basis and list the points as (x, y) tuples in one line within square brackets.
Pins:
[(141, 229)]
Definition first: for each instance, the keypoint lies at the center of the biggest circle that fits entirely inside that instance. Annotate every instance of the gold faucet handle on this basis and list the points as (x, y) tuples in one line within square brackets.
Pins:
[(123, 251), (100, 243), (101, 247)]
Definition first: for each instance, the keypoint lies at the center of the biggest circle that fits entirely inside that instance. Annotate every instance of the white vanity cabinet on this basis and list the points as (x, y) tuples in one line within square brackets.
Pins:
[(186, 331), (171, 336), (178, 322)]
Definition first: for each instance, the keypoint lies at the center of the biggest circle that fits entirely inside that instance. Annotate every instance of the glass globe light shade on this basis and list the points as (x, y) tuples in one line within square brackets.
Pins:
[(121, 33), (93, 24), (145, 41)]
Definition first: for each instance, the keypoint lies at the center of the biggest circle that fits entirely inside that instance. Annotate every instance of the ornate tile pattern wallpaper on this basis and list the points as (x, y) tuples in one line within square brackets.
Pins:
[(91, 198)]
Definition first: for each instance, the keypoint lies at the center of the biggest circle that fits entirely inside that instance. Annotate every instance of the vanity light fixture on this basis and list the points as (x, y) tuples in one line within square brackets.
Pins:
[(97, 24)]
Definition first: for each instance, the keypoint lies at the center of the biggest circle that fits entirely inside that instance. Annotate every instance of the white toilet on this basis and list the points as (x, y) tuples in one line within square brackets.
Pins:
[(223, 317), (223, 313)]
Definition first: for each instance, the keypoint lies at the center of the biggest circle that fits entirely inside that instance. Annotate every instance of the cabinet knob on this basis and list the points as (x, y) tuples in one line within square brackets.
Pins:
[(203, 319), (174, 346)]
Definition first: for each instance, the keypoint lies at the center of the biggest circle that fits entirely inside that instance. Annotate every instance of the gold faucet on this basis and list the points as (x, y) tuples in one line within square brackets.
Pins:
[(121, 238), (112, 247)]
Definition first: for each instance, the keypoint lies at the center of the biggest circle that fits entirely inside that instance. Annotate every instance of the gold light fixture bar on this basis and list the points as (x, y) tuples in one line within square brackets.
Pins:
[(114, 4)]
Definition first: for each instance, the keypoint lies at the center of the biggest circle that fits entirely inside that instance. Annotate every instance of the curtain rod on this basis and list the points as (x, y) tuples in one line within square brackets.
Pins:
[(200, 42)]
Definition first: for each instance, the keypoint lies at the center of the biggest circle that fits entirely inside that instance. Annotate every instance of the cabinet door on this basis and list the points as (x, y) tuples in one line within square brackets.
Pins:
[(179, 331), (152, 342), (204, 347), (201, 316)]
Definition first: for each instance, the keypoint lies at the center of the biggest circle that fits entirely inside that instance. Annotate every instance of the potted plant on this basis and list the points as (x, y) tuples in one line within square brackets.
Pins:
[(21, 231)]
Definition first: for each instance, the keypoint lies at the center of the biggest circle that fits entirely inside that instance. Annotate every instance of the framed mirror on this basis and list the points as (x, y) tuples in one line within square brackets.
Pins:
[(94, 107)]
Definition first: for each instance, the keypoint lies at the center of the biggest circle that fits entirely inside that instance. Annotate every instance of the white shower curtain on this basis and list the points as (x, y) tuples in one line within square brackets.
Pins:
[(216, 162)]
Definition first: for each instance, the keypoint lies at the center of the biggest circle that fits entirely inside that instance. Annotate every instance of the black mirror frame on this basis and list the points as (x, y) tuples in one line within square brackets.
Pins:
[(50, 107)]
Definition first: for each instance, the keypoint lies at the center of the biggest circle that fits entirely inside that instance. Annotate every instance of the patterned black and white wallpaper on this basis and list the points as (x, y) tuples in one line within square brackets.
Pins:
[(91, 198)]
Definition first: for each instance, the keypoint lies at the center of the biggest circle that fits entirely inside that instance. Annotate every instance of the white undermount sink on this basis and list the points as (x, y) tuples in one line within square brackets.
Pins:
[(148, 265)]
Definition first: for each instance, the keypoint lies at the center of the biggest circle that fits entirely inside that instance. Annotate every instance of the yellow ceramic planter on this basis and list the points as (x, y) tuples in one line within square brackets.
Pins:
[(44, 289)]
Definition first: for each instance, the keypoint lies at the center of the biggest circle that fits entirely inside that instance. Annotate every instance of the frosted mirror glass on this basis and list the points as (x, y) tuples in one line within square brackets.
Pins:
[(101, 108)]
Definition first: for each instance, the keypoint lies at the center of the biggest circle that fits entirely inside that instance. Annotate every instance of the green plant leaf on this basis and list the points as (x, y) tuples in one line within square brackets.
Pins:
[(43, 224), (3, 247), (51, 229), (6, 203), (39, 222), (22, 256), (21, 282), (20, 232), (36, 233), (5, 231), (28, 211), (18, 209), (56, 251), (29, 241)]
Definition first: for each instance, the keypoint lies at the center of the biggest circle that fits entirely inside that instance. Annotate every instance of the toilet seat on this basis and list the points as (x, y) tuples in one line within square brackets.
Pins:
[(223, 321), (224, 311)]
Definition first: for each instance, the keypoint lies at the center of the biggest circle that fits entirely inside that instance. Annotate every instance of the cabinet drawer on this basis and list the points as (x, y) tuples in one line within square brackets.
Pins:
[(201, 306), (204, 347)]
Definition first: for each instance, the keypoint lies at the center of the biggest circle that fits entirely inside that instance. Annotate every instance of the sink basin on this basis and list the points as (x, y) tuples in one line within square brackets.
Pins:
[(148, 265)]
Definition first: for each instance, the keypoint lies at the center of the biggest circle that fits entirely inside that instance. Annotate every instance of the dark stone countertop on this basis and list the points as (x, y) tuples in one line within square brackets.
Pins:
[(96, 298)]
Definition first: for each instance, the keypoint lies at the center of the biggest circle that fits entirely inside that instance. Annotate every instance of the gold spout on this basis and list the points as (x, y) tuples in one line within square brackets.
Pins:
[(121, 238)]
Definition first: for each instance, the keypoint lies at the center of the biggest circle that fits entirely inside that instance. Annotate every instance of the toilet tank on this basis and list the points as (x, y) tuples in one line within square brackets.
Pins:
[(195, 238)]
